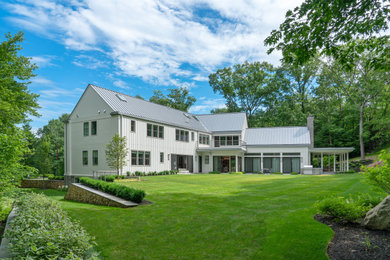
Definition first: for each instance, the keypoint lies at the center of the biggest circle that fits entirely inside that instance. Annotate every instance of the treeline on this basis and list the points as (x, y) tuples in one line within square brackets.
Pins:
[(349, 106)]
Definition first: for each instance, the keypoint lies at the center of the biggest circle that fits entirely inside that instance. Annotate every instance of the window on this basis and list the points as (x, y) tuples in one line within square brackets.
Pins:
[(204, 139), (207, 159), (182, 135), (132, 127), (228, 140), (235, 140), (95, 158), (133, 157), (140, 158), (223, 140), (160, 132), (192, 136), (147, 158), (93, 128), (86, 128), (161, 157), (85, 157), (149, 130), (155, 131)]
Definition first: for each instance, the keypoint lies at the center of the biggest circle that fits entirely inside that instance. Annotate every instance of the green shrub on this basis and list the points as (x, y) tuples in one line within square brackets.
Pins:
[(173, 171), (294, 173), (276, 173), (237, 173), (5, 207), (350, 210), (118, 190), (215, 172), (41, 230), (380, 174), (260, 172), (128, 173), (108, 178)]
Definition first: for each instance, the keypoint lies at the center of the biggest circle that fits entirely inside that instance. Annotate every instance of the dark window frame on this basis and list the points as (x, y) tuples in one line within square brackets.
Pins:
[(95, 159), (161, 157), (86, 127), (93, 127), (182, 135), (84, 159), (132, 125)]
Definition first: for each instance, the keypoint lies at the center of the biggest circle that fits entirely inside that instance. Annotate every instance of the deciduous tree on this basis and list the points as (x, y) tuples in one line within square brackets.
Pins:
[(116, 153)]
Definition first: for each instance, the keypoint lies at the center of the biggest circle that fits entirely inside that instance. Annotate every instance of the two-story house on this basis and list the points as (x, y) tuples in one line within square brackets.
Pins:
[(161, 138)]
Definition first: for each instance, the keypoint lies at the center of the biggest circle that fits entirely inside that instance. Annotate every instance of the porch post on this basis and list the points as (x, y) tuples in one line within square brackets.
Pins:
[(322, 160), (243, 163), (334, 162), (236, 163), (347, 161), (281, 162), (262, 163)]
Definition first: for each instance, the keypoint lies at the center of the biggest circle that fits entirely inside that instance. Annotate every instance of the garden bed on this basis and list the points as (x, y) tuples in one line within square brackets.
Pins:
[(352, 241)]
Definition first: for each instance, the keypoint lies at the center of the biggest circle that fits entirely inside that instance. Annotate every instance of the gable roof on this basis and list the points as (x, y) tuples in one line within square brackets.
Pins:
[(224, 122), (135, 107), (296, 135)]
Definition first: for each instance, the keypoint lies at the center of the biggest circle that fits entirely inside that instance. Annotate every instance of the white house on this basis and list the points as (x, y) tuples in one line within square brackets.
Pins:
[(161, 138)]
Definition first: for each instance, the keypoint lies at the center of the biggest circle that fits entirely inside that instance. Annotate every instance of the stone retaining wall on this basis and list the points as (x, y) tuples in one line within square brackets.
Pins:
[(80, 193), (42, 184)]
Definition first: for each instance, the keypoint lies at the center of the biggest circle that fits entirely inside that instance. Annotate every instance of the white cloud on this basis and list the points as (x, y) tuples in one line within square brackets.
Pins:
[(121, 84), (89, 62), (39, 80), (60, 92), (43, 61), (205, 105), (160, 41)]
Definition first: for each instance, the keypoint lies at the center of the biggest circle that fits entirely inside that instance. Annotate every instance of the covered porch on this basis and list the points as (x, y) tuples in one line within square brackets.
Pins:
[(220, 159), (330, 159)]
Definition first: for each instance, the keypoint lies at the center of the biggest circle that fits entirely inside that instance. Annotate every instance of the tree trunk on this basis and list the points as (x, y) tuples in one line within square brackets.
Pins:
[(362, 153)]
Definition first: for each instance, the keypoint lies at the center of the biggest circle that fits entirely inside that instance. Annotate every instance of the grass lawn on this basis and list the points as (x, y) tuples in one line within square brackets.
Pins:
[(217, 217)]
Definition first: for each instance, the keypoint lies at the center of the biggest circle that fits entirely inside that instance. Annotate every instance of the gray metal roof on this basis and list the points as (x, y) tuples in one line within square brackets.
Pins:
[(277, 136), (135, 107), (224, 122)]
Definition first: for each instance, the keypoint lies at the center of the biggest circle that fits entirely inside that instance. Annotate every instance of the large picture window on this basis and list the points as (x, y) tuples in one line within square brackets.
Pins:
[(140, 158), (272, 164)]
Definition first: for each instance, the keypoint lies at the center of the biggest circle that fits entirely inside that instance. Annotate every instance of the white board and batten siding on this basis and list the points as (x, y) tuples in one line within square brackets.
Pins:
[(90, 108)]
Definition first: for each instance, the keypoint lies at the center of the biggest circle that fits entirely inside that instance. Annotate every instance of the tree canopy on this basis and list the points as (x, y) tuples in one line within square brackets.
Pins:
[(324, 26), (246, 87), (116, 153), (16, 104), (178, 98)]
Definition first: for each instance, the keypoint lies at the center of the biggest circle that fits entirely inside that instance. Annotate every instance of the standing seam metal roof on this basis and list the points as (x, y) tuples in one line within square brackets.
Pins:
[(224, 122), (296, 135), (147, 110)]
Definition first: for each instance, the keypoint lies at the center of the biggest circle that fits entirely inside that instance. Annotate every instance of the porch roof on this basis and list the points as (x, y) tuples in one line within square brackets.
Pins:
[(332, 150)]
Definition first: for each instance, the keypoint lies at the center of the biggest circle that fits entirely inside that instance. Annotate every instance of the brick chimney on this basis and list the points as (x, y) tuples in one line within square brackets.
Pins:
[(310, 126)]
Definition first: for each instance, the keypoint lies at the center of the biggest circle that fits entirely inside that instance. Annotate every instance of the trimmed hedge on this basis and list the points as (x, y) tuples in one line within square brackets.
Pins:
[(215, 172), (118, 190), (236, 173), (42, 230), (107, 178)]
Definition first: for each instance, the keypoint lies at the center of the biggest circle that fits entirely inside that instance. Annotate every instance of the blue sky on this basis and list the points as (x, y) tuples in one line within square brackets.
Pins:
[(136, 47)]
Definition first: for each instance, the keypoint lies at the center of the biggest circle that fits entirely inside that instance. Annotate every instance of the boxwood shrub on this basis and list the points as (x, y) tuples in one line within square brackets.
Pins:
[(237, 173), (118, 190), (215, 172), (41, 230), (107, 178)]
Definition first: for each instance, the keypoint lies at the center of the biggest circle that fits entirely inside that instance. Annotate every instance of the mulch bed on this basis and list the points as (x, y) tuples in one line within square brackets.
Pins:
[(352, 241)]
